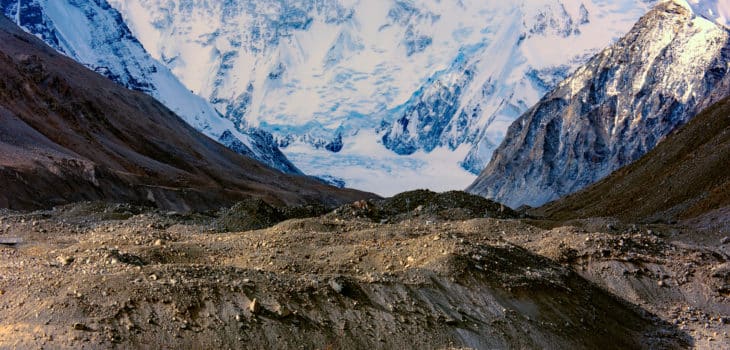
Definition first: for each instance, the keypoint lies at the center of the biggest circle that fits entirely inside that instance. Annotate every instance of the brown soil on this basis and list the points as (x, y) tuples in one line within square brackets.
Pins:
[(102, 276)]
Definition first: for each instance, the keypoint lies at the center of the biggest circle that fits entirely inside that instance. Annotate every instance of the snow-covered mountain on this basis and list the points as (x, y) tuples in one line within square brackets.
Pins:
[(672, 65), (94, 34), (342, 84)]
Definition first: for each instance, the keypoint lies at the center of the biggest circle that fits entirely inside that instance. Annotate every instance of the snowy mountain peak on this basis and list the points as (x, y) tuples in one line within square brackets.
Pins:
[(316, 72), (614, 109)]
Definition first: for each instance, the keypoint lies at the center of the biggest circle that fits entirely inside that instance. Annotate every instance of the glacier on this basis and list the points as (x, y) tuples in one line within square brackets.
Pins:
[(397, 86)]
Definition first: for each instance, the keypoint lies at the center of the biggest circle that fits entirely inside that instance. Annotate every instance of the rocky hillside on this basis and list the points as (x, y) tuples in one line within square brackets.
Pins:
[(120, 277), (69, 134), (684, 177), (672, 65)]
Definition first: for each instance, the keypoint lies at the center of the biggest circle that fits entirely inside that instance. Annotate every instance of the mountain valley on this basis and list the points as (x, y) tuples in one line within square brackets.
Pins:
[(179, 174)]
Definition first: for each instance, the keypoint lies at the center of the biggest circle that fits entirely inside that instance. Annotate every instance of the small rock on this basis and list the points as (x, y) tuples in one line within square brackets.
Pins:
[(65, 260), (254, 307), (610, 227), (239, 318), (660, 283), (337, 286), (725, 240), (282, 311), (79, 327), (159, 242), (153, 277)]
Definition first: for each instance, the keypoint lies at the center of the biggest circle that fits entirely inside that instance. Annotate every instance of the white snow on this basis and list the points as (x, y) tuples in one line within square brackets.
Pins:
[(714, 10), (351, 71)]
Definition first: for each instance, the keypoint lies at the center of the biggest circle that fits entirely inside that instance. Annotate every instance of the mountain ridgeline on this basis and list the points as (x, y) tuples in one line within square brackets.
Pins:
[(438, 77), (68, 134), (610, 112), (94, 34)]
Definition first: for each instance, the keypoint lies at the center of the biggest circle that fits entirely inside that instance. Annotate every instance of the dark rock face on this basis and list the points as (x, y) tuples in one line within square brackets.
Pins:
[(335, 145), (424, 204), (431, 112), (266, 150), (615, 109), (684, 177)]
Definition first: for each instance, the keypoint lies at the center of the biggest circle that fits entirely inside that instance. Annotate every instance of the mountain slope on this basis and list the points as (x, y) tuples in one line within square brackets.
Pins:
[(69, 134), (317, 72), (94, 34), (613, 110), (536, 46), (686, 175)]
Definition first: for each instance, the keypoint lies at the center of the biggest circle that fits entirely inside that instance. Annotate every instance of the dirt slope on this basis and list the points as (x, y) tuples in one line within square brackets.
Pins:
[(68, 134), (686, 176)]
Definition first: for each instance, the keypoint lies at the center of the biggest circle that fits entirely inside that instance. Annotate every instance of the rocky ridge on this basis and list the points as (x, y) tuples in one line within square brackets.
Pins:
[(671, 66)]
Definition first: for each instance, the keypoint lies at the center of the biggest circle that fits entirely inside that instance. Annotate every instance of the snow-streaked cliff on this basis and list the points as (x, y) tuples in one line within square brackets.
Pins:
[(613, 110)]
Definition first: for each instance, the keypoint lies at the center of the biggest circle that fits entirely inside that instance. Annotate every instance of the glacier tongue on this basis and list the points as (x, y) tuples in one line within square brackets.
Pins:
[(611, 111), (94, 34)]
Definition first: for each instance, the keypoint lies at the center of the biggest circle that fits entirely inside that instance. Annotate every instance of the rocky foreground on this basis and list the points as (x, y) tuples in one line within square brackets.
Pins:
[(419, 271)]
